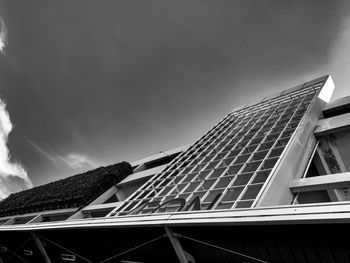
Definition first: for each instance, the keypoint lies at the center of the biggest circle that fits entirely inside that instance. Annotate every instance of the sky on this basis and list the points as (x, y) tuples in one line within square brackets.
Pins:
[(87, 83)]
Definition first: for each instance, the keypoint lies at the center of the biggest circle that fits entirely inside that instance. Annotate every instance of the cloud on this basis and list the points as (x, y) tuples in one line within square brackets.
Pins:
[(49, 156), (3, 34), (75, 161), (78, 161), (13, 177)]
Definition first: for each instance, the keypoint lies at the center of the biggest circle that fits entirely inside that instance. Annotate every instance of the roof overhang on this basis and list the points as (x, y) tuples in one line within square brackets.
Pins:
[(296, 214)]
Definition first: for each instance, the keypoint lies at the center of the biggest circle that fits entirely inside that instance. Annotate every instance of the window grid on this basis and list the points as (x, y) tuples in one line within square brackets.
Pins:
[(234, 178), (243, 203), (234, 144)]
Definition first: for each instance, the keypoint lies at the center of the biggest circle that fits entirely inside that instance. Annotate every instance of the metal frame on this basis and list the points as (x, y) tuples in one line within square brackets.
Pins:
[(238, 130)]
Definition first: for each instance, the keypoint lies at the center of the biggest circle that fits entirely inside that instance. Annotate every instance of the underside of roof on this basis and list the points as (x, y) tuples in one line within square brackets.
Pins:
[(260, 243)]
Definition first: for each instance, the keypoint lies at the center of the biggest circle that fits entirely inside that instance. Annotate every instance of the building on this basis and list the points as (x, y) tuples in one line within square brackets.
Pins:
[(268, 183)]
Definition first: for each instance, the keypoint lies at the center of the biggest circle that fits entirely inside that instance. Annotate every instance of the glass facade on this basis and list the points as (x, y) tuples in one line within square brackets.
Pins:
[(229, 166)]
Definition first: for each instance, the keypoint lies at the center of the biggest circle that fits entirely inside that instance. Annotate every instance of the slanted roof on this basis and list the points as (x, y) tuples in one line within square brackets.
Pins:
[(74, 191)]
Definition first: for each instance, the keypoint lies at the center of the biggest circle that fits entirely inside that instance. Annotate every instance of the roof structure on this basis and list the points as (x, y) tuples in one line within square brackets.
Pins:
[(231, 165), (270, 182)]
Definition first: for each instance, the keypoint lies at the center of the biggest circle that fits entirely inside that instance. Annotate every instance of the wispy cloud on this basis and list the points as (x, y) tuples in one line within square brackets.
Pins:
[(78, 161), (72, 160), (45, 153), (13, 177)]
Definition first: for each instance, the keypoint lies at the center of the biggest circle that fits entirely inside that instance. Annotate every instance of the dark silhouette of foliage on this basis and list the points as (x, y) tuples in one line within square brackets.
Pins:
[(75, 191)]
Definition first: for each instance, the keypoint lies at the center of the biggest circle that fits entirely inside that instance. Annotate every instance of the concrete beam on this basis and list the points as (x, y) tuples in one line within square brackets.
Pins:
[(140, 168), (323, 182), (10, 221), (105, 196), (323, 169), (142, 175), (332, 125), (101, 206), (36, 219)]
